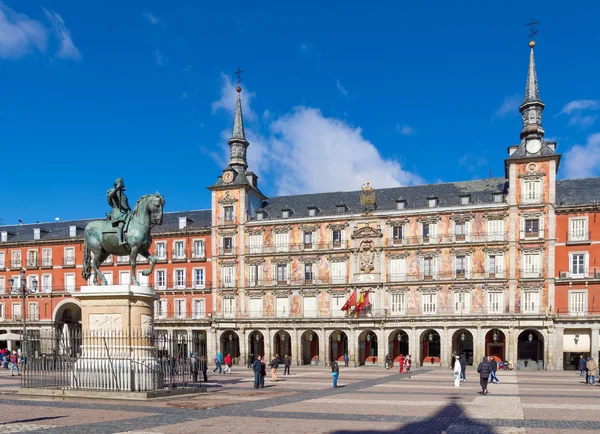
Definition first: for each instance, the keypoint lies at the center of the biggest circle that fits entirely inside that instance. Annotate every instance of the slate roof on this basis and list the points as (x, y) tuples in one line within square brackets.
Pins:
[(521, 152), (581, 191), (60, 230), (448, 194)]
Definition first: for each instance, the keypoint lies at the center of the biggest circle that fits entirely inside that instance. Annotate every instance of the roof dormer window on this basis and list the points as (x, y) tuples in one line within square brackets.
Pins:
[(36, 233), (465, 200), (72, 231), (312, 211), (286, 213), (341, 209), (182, 222), (498, 198), (400, 204), (259, 215), (432, 202), (4, 236)]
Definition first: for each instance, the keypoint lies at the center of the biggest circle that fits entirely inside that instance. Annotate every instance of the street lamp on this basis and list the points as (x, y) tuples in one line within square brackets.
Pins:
[(23, 292), (530, 337), (368, 338), (576, 339), (495, 336), (462, 337), (339, 338), (430, 337)]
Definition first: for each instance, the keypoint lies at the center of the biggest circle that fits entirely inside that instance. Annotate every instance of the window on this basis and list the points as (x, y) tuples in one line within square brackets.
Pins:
[(143, 280), (338, 272), (16, 282), (199, 308), (255, 243), (36, 233), (69, 282), (531, 302), (255, 307), (2, 261), (282, 274), (340, 209), (397, 269), (108, 275), (495, 302), (254, 277), (46, 258), (229, 307), (179, 276), (183, 222), (308, 240), (46, 283), (400, 204), (16, 259), (281, 308), (495, 266), (532, 228), (337, 302), (282, 242), (72, 231), (338, 238), (577, 302), (310, 307), (495, 229), (16, 310), (161, 279), (462, 302), (228, 245), (179, 250), (578, 230), (312, 212), (198, 249), (3, 236), (285, 214), (160, 309), (460, 231), (199, 282), (498, 197), (259, 215), (180, 308), (124, 278), (228, 213), (33, 283), (465, 200), (432, 202), (228, 277), (578, 264), (397, 234), (160, 251), (69, 256), (2, 312), (429, 232), (397, 304), (2, 283), (429, 303), (531, 265), (308, 273), (32, 258), (428, 267), (461, 266), (531, 191), (33, 312)]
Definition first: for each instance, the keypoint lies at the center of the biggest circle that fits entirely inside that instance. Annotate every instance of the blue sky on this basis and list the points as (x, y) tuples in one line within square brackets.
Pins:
[(335, 93)]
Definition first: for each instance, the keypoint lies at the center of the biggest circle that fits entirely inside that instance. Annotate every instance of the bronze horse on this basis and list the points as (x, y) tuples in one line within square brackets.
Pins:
[(101, 238)]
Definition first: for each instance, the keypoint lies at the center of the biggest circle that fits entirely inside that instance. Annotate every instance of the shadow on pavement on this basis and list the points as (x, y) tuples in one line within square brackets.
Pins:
[(37, 419)]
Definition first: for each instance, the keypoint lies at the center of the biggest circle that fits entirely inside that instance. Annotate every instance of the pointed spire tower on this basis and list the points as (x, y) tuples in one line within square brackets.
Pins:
[(532, 107), (238, 143)]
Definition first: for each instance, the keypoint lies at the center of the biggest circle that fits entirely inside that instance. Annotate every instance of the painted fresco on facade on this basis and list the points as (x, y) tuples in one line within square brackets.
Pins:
[(413, 265), (412, 300), (324, 303), (478, 299), (268, 305), (296, 271), (517, 301), (268, 237), (478, 263), (296, 305), (323, 270), (445, 264), (478, 224), (412, 230), (507, 301), (444, 229), (445, 299), (295, 237)]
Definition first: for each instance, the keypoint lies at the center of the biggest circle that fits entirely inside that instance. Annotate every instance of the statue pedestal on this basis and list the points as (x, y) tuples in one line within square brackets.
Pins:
[(117, 349)]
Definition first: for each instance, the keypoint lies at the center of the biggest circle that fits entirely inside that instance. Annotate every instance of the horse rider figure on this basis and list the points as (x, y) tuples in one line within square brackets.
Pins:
[(120, 208)]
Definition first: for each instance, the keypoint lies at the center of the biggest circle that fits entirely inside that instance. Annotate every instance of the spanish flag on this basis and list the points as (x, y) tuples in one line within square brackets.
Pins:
[(351, 301), (363, 301)]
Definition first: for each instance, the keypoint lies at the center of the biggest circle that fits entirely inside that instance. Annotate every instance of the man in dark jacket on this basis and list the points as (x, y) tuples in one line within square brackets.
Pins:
[(335, 372), (494, 369), (287, 362), (463, 367), (581, 365), (257, 368), (250, 360), (484, 369)]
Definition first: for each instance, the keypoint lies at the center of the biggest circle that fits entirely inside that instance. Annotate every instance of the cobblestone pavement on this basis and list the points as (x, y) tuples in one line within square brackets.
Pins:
[(370, 400)]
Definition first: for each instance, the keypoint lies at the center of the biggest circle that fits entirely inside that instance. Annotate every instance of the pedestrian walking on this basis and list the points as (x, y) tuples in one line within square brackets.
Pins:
[(494, 366), (484, 369), (581, 365), (228, 363), (195, 365), (14, 364), (204, 368), (407, 365), (463, 367), (287, 362), (457, 371), (388, 361), (274, 365), (591, 368), (401, 362), (335, 372), (263, 372), (453, 360), (346, 359), (218, 363), (250, 360), (257, 369)]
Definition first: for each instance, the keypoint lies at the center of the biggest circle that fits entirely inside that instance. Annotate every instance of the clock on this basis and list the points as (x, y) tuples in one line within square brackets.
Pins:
[(228, 177), (533, 146)]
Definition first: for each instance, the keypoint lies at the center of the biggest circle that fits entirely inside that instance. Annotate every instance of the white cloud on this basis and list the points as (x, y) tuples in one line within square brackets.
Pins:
[(575, 110), (66, 48), (405, 130), (152, 19), (160, 58), (19, 34), (510, 104), (577, 105), (582, 121), (228, 99), (341, 88), (583, 161)]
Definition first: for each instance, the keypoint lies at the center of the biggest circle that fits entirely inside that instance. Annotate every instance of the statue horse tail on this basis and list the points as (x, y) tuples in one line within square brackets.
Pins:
[(87, 261)]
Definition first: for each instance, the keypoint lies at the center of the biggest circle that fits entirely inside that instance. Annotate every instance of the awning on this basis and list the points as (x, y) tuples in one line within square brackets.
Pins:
[(10, 337), (582, 345)]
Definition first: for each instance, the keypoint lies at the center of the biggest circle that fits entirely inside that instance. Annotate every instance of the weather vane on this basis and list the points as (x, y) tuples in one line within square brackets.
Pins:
[(239, 75), (532, 30)]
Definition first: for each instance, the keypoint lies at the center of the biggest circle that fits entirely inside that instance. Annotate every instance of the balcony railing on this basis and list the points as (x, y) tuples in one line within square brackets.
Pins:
[(2, 265), (531, 273), (15, 264), (579, 237), (226, 221), (198, 255), (19, 317), (46, 262), (187, 315), (579, 310), (226, 251), (68, 261), (449, 238), (295, 247), (179, 256), (530, 235), (172, 284), (33, 263), (592, 273)]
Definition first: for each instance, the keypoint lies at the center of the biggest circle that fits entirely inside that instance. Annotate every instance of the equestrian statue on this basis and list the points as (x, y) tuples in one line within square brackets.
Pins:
[(123, 233)]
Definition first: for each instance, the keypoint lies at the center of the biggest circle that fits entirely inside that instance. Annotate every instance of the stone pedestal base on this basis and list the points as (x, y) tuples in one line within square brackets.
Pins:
[(117, 351)]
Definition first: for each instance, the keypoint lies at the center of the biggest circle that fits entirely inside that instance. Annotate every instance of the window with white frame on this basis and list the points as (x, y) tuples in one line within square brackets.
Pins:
[(495, 266), (310, 239), (228, 214), (228, 277), (460, 231), (254, 274), (338, 272), (309, 273), (531, 227), (2, 261), (160, 281), (255, 307), (33, 312), (46, 283), (255, 243), (532, 191), (285, 213), (16, 282), (498, 197), (198, 251), (15, 259), (495, 302), (429, 303), (337, 302), (2, 283), (199, 278), (46, 257), (69, 282), (397, 234), (578, 229), (228, 245), (160, 250), (338, 237), (532, 266), (16, 311), (124, 278), (69, 256), (1, 311), (3, 236), (429, 267), (282, 242), (160, 309), (429, 232), (577, 302), (178, 249), (397, 303), (531, 301), (465, 200), (143, 280), (32, 258), (108, 275), (432, 202), (397, 269), (462, 302), (180, 308), (309, 306), (400, 204), (229, 307), (199, 308), (460, 266), (312, 212), (282, 307), (578, 264), (282, 274), (179, 278), (33, 282), (495, 230)]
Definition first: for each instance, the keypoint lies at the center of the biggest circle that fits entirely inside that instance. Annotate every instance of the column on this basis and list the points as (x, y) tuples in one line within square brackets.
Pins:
[(594, 343), (268, 340), (295, 337), (444, 349), (478, 343), (323, 357), (414, 346), (558, 338), (243, 347), (353, 347), (549, 356)]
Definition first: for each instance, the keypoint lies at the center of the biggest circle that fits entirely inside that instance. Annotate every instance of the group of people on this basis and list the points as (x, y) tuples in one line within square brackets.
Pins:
[(260, 369), (219, 364), (588, 367), (487, 371), (403, 361), (10, 360)]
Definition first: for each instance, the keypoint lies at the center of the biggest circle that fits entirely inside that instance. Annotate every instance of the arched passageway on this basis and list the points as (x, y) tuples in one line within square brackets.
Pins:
[(530, 350), (462, 343), (256, 344), (398, 344), (310, 347), (282, 343), (230, 344), (368, 348), (338, 344), (495, 345), (430, 347)]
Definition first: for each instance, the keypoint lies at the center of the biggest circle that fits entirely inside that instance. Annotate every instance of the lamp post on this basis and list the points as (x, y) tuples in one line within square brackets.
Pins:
[(23, 292)]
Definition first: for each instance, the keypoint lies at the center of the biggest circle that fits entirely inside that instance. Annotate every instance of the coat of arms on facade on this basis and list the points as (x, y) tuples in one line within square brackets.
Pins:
[(367, 197), (367, 257)]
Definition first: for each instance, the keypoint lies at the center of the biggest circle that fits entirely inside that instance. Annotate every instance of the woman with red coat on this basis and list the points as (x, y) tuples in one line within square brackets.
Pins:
[(401, 363), (227, 364)]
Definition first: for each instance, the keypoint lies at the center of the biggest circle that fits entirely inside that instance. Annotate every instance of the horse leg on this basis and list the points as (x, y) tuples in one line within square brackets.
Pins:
[(99, 257), (146, 254), (132, 261)]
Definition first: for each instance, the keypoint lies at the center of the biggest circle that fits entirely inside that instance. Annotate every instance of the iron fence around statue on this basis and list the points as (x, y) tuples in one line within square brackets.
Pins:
[(137, 361)]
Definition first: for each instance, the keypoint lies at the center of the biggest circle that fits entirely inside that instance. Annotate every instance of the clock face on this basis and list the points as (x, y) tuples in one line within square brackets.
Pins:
[(534, 146), (227, 177)]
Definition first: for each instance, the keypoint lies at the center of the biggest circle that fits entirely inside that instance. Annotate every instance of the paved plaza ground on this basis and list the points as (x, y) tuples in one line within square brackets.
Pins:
[(371, 400)]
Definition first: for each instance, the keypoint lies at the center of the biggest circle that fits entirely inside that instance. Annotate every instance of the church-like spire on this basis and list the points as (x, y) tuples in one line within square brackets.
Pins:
[(532, 107), (238, 143)]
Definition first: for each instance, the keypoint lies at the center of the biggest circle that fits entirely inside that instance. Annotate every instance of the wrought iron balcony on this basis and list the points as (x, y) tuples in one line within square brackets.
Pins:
[(579, 237), (68, 261)]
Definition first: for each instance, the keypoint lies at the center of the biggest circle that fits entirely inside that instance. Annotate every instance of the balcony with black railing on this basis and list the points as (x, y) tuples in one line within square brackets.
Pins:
[(531, 273), (295, 247), (178, 255), (68, 261), (577, 310), (579, 273), (181, 315), (187, 283), (15, 264), (579, 237), (32, 264), (46, 262)]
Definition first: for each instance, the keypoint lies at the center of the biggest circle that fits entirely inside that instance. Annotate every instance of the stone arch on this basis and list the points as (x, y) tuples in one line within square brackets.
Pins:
[(61, 316), (338, 345), (463, 343), (530, 349), (398, 344), (256, 343), (495, 344), (309, 343), (431, 347), (368, 347), (282, 344), (229, 342)]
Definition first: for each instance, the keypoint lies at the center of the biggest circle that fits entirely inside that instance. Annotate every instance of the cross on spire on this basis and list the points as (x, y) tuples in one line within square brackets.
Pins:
[(532, 30), (239, 75)]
